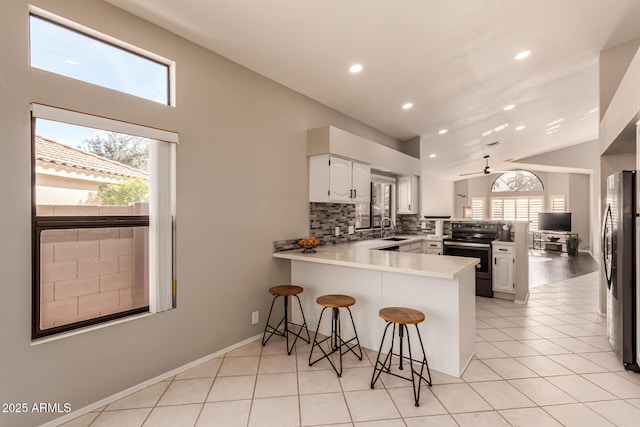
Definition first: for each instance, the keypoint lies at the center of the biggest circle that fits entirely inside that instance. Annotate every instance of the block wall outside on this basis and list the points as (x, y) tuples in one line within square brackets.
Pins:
[(88, 273)]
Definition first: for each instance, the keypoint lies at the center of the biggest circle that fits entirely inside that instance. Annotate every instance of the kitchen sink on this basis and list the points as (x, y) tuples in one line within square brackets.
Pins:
[(395, 239)]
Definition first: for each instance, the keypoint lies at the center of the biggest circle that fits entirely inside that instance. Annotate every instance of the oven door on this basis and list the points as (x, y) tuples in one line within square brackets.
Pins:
[(472, 250)]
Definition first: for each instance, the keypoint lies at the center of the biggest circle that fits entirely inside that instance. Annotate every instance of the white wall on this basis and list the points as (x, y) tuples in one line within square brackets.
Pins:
[(241, 184)]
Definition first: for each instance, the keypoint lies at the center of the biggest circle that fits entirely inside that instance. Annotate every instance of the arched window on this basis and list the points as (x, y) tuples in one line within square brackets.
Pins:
[(519, 197), (517, 181)]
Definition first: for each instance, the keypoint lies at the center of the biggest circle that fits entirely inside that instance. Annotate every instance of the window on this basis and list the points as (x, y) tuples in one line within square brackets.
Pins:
[(477, 207), (558, 203), (517, 208), (369, 215), (66, 51), (103, 207), (517, 181)]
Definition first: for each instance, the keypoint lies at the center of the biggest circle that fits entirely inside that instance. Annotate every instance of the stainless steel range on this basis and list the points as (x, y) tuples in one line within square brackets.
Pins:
[(473, 239)]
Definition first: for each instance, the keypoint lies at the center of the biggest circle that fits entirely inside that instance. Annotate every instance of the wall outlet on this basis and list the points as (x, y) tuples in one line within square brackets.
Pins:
[(255, 317), (337, 231), (352, 229)]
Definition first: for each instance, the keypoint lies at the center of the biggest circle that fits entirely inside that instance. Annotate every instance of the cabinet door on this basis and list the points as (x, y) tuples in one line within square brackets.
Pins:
[(404, 194), (340, 180), (503, 273), (408, 198), (361, 182)]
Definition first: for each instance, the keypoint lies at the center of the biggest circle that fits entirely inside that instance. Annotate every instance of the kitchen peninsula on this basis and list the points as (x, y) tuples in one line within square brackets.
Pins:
[(443, 288)]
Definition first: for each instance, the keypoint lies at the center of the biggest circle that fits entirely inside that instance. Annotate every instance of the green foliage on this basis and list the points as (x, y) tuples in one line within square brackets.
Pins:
[(121, 194), (125, 149)]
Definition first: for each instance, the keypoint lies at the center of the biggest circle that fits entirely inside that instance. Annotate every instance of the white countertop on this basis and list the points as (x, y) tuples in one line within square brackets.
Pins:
[(363, 254)]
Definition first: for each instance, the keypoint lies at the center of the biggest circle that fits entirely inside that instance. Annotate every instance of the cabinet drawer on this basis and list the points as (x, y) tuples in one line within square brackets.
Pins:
[(433, 244), (499, 249)]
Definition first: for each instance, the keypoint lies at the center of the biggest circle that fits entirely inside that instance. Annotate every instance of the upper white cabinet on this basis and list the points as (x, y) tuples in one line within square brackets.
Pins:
[(335, 179), (408, 194)]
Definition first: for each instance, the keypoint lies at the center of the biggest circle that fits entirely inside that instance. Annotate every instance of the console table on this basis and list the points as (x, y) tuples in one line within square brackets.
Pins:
[(541, 240)]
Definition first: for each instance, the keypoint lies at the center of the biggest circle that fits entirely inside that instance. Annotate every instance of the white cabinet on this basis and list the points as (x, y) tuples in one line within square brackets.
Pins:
[(503, 268), (433, 247), (335, 179), (408, 194), (415, 247)]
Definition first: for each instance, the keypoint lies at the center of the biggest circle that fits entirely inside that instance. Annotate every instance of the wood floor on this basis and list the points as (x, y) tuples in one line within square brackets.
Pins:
[(549, 267)]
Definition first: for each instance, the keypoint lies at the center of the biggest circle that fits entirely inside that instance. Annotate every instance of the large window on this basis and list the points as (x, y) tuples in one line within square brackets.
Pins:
[(369, 215), (102, 221), (97, 59), (517, 195)]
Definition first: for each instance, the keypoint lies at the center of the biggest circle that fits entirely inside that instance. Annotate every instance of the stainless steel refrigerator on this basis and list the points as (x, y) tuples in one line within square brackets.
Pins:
[(621, 256)]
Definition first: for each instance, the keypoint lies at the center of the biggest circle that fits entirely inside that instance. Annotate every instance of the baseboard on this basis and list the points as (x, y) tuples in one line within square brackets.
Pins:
[(107, 400)]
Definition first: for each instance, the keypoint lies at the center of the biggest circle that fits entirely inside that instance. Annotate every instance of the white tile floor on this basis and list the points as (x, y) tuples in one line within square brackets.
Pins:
[(546, 363)]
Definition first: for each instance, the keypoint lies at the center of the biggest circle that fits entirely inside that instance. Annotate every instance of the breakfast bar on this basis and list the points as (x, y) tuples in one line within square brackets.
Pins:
[(443, 288)]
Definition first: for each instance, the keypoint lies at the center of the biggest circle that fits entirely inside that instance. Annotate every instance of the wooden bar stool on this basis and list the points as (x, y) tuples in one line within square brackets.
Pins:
[(285, 291), (335, 303), (402, 317)]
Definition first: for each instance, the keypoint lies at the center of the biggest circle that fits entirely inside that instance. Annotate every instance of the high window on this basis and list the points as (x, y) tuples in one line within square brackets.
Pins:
[(517, 195), (558, 203), (96, 58)]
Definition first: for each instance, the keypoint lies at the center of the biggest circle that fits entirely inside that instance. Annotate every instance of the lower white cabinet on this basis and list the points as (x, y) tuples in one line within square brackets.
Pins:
[(433, 247), (415, 248), (503, 268)]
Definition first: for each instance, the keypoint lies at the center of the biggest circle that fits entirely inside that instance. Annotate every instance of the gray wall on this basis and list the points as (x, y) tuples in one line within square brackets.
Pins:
[(241, 184)]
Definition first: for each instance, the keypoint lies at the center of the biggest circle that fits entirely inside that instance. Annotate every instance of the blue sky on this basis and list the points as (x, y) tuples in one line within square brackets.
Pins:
[(62, 51)]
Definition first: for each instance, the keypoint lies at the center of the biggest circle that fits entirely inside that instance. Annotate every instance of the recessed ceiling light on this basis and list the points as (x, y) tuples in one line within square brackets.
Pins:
[(509, 107), (407, 106), (522, 55), (520, 127), (431, 156), (442, 131), (355, 68), (71, 61), (487, 133), (501, 127)]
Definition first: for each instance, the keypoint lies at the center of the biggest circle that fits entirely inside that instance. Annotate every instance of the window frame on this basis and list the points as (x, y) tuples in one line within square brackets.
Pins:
[(160, 224), (110, 41), (383, 181)]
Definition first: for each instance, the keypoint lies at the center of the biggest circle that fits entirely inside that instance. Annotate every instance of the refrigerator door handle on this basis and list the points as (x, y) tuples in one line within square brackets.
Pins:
[(607, 243)]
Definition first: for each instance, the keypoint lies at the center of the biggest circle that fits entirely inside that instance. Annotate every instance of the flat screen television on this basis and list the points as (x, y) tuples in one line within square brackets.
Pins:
[(554, 221)]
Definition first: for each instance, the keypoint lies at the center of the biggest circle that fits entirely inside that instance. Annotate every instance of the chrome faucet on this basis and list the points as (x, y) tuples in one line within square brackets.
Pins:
[(382, 226)]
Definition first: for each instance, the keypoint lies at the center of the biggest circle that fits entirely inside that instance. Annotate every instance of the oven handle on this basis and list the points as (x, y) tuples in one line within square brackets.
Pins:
[(469, 245)]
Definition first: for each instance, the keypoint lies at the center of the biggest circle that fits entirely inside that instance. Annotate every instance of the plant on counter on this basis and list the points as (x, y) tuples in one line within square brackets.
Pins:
[(309, 245), (572, 244)]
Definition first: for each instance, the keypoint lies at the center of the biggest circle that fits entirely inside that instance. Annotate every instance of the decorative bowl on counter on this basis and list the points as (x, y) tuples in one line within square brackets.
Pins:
[(309, 245)]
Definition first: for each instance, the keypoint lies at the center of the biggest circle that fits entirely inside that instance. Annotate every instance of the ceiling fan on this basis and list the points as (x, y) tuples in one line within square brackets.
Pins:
[(487, 169)]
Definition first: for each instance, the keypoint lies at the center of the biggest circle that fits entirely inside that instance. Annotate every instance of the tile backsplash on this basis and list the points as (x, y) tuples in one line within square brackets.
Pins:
[(325, 217)]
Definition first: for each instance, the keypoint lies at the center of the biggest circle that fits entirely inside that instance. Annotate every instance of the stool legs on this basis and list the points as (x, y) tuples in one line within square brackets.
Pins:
[(271, 330), (385, 365), (336, 343)]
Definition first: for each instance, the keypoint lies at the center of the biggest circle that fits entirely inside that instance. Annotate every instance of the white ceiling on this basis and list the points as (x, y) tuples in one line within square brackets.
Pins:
[(453, 59)]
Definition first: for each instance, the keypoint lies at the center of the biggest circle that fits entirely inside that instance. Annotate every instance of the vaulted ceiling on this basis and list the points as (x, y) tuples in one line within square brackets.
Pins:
[(453, 60)]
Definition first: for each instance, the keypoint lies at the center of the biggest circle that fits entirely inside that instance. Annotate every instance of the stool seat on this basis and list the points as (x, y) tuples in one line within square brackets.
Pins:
[(401, 315), (285, 290), (336, 301)]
